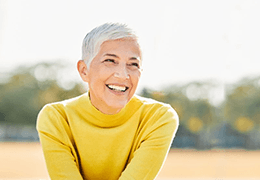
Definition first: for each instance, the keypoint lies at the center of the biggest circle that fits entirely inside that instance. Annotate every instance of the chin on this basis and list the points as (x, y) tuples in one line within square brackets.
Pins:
[(117, 105)]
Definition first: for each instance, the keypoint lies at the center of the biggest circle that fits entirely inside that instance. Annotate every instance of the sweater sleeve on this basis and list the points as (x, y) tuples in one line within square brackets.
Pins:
[(57, 145), (154, 145)]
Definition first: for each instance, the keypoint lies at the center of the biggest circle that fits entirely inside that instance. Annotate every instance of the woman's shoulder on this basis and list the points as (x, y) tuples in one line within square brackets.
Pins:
[(156, 112), (61, 106), (153, 106), (150, 103), (55, 114), (67, 102)]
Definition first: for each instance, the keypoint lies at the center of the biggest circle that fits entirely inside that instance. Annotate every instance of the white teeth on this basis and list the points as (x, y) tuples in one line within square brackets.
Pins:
[(117, 88)]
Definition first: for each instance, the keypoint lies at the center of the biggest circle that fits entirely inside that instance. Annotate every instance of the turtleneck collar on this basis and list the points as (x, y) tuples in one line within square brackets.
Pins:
[(107, 120)]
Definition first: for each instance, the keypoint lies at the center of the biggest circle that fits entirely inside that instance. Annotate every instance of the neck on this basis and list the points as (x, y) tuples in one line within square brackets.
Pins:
[(104, 109)]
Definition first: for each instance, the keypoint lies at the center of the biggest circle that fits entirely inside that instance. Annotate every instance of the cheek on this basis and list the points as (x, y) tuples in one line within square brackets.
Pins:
[(95, 83), (135, 81), (135, 78), (99, 75)]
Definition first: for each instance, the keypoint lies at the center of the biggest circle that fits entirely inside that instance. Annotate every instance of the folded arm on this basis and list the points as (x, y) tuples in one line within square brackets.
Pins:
[(151, 153), (60, 157)]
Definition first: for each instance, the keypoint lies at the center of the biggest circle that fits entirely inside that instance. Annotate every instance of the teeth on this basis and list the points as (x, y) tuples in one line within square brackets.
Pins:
[(117, 88)]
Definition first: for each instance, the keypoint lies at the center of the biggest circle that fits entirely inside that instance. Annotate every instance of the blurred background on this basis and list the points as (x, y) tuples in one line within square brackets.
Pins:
[(202, 57)]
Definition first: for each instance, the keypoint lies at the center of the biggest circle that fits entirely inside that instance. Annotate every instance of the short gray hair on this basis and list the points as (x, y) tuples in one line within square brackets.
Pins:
[(100, 34)]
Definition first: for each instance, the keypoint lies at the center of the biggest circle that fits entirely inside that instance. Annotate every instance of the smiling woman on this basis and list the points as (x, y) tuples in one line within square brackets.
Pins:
[(108, 132), (113, 74)]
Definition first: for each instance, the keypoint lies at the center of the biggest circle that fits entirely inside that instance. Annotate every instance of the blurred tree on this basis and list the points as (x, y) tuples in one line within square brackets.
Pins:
[(195, 124), (23, 95), (244, 124), (242, 108)]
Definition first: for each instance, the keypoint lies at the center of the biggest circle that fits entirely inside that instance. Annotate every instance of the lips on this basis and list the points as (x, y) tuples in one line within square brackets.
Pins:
[(117, 87)]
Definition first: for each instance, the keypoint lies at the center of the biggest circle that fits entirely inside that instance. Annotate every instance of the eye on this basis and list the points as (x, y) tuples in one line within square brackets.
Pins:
[(134, 65), (110, 60)]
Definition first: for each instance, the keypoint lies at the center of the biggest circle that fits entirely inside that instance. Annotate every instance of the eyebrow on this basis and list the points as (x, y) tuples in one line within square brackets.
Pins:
[(135, 58), (114, 55)]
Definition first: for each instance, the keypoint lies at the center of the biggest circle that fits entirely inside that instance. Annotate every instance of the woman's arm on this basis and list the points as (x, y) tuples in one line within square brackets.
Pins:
[(57, 144), (152, 151)]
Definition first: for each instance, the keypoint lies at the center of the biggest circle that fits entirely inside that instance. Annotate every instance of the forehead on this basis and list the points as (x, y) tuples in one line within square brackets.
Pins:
[(121, 47)]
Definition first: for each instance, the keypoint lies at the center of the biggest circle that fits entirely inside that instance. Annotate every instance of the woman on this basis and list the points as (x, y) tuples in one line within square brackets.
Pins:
[(107, 133)]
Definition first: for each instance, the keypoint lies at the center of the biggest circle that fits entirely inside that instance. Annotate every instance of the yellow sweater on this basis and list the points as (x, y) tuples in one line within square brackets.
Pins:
[(79, 142)]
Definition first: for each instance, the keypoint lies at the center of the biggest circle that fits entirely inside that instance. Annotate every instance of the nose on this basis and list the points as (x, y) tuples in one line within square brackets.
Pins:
[(121, 72)]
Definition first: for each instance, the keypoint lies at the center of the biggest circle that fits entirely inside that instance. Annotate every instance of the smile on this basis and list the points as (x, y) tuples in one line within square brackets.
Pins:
[(117, 88)]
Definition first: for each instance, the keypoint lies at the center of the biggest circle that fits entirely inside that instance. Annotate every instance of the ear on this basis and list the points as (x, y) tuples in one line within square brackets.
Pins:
[(83, 70)]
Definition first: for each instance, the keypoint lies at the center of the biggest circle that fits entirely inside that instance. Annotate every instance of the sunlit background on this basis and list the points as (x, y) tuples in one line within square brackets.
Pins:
[(200, 56)]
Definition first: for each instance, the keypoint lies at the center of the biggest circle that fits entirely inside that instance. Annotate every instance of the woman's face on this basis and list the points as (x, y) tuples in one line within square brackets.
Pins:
[(114, 74)]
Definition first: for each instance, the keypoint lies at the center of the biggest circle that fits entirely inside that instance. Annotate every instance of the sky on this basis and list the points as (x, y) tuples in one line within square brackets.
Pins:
[(182, 40)]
